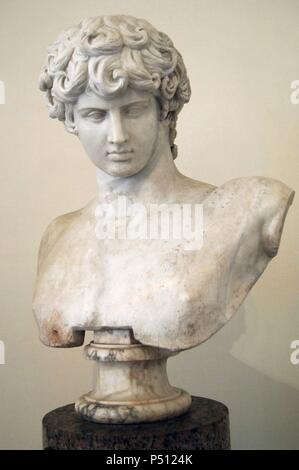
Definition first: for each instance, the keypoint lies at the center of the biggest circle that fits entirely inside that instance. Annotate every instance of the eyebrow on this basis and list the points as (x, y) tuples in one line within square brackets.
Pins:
[(132, 103)]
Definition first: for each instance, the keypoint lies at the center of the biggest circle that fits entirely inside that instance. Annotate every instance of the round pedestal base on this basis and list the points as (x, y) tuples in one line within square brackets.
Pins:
[(131, 386), (204, 426), (133, 412)]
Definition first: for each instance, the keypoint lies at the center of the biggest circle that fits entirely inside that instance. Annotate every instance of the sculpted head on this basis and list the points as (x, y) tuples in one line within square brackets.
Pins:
[(114, 81)]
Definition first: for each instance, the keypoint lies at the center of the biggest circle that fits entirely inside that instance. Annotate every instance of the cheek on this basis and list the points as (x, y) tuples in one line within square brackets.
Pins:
[(145, 131), (151, 134), (90, 137)]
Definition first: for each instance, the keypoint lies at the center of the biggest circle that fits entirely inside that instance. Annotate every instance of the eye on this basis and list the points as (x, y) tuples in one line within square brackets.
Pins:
[(135, 110), (96, 115)]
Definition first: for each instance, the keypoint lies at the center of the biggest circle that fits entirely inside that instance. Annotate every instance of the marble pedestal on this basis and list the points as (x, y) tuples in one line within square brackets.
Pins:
[(204, 427), (131, 382)]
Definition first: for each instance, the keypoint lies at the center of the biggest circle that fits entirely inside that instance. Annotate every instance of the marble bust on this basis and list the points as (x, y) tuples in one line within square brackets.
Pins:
[(118, 84)]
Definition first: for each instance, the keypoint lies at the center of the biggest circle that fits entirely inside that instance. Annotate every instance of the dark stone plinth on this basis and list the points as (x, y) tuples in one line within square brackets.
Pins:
[(204, 426)]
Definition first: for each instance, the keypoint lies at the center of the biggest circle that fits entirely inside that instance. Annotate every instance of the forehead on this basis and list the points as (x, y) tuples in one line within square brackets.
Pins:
[(89, 99)]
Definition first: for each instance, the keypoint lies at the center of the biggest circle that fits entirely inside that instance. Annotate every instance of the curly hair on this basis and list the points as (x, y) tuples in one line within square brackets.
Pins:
[(106, 54)]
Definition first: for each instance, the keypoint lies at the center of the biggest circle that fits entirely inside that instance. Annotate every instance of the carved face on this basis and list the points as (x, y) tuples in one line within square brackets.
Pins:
[(118, 134)]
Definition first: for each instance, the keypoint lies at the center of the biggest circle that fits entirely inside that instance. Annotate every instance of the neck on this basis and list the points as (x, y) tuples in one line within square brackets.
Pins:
[(152, 184)]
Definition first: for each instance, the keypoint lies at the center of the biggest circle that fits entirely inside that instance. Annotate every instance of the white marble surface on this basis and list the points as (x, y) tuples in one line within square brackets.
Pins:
[(131, 384), (171, 297)]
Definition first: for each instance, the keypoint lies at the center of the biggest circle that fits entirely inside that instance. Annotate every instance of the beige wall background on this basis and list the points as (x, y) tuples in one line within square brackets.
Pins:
[(242, 57)]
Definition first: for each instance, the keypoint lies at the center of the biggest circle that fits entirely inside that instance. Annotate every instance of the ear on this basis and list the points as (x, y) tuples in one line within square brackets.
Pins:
[(69, 121)]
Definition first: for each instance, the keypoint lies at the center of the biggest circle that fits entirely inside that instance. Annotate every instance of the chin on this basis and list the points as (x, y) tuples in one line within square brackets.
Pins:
[(122, 170)]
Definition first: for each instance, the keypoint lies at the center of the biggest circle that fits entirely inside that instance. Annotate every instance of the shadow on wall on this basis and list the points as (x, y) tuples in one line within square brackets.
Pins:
[(263, 412)]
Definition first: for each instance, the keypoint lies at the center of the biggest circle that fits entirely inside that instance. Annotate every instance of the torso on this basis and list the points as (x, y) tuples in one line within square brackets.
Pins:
[(171, 297)]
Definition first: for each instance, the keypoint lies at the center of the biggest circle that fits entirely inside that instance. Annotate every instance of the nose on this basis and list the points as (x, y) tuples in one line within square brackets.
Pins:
[(117, 133)]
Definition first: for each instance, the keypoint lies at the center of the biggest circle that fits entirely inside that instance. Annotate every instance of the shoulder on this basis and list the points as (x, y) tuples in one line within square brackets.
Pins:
[(261, 183), (268, 193), (194, 190), (276, 198), (59, 225), (269, 200), (53, 233), (57, 230)]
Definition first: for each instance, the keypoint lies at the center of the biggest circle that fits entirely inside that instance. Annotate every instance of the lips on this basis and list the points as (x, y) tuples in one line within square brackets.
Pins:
[(120, 155)]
